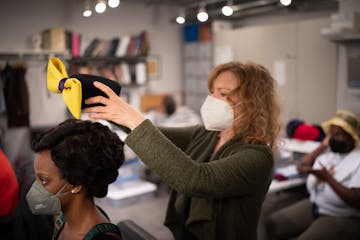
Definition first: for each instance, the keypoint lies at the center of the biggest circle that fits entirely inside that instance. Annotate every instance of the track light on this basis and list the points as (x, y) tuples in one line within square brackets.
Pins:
[(87, 9), (202, 15), (100, 6), (87, 13), (285, 2), (181, 18), (227, 10), (113, 3)]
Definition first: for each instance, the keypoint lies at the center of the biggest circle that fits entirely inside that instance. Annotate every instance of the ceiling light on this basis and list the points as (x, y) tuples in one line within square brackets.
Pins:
[(227, 10), (87, 13), (113, 3), (100, 6), (87, 9), (285, 2), (202, 15), (181, 18)]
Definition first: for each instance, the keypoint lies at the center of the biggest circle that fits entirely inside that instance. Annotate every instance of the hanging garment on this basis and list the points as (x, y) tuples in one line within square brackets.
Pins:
[(2, 98), (16, 96)]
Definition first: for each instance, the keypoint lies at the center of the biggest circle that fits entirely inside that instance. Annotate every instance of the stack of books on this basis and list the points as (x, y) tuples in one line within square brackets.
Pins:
[(133, 46), (123, 72)]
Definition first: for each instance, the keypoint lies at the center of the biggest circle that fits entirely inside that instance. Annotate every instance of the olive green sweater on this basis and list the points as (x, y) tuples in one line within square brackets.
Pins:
[(215, 196)]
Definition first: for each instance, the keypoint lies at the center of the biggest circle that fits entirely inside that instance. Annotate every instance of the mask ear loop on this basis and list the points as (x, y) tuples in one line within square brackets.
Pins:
[(59, 193), (233, 106)]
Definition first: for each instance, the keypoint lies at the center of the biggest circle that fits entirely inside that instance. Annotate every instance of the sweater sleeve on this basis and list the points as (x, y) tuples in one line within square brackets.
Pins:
[(180, 136), (242, 173)]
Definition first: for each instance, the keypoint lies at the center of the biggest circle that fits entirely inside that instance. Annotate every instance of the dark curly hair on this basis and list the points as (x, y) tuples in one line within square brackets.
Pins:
[(87, 153), (169, 104)]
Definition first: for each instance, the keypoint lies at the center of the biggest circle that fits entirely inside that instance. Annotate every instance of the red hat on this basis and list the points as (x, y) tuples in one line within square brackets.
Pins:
[(305, 131)]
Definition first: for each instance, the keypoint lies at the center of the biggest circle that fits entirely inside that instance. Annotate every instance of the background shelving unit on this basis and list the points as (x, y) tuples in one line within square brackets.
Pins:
[(198, 61), (130, 71)]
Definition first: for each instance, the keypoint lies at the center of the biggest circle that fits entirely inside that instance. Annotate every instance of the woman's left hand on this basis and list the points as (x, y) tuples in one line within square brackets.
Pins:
[(115, 109), (322, 174)]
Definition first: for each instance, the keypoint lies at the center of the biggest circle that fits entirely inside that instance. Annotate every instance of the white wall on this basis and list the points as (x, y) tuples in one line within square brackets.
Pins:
[(347, 98), (20, 20), (296, 54)]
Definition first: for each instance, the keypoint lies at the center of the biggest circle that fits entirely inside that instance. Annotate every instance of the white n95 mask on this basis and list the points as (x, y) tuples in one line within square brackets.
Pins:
[(216, 114)]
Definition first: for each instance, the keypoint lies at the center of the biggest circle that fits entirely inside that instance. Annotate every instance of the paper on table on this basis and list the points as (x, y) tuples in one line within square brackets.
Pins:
[(288, 171), (295, 145)]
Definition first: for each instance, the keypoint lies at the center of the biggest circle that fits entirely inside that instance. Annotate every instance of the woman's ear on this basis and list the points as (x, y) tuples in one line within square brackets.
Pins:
[(76, 189)]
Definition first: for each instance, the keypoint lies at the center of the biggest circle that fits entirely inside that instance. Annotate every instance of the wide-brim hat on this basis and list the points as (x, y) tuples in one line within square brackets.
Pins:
[(345, 119), (76, 88)]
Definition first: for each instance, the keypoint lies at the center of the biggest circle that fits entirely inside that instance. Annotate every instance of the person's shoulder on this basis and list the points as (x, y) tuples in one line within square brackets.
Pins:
[(253, 146), (259, 151), (107, 236), (104, 231), (355, 154), (239, 146), (356, 149)]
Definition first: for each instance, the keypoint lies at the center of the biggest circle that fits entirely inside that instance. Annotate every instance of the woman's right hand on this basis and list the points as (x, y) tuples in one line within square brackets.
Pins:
[(326, 140), (115, 109)]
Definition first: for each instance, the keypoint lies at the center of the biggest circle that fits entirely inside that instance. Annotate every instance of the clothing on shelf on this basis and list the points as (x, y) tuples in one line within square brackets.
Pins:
[(2, 98), (16, 95)]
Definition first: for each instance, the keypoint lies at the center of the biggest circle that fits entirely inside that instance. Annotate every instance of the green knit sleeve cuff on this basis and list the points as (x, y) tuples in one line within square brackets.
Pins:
[(141, 131)]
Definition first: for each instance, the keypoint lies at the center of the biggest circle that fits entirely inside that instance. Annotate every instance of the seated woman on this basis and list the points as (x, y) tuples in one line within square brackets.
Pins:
[(76, 162), (333, 209)]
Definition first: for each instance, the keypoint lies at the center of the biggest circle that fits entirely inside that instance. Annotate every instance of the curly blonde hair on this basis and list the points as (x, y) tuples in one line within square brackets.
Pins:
[(256, 108)]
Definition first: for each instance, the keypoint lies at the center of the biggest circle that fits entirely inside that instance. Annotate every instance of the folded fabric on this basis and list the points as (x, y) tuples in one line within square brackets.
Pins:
[(301, 130), (76, 88)]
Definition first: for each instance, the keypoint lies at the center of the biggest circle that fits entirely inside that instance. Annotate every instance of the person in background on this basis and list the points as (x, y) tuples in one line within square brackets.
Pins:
[(169, 105), (219, 172), (168, 114), (76, 162), (333, 209), (9, 187)]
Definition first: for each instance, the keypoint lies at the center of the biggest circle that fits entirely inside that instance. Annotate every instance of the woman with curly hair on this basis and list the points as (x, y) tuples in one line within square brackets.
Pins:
[(219, 172), (76, 162)]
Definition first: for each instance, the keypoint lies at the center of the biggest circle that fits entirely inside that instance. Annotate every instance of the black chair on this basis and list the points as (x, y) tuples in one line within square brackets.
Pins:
[(131, 231), (6, 227)]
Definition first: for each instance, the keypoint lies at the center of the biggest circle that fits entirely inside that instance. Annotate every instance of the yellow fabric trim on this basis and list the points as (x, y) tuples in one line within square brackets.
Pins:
[(72, 96), (72, 92), (55, 72)]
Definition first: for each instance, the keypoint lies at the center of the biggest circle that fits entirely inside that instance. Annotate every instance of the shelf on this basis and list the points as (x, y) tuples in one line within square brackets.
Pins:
[(343, 37), (30, 54), (130, 71)]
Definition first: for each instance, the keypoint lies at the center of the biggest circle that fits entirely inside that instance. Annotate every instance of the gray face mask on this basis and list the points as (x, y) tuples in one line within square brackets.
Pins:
[(43, 202)]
